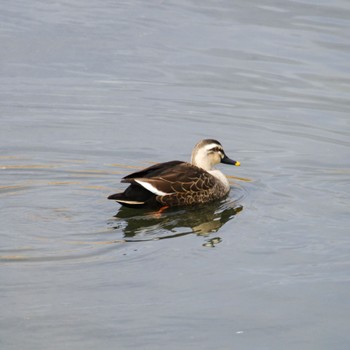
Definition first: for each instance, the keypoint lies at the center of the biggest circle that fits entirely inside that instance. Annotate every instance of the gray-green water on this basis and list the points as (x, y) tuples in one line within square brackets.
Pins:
[(90, 90)]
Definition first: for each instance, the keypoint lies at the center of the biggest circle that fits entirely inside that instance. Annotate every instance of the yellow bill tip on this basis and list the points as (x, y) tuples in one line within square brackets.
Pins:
[(237, 164)]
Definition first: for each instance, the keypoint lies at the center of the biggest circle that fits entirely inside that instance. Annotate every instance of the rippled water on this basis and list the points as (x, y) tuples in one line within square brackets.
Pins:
[(91, 91)]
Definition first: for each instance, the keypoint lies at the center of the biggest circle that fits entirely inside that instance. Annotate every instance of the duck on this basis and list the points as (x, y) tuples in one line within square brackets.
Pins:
[(178, 183)]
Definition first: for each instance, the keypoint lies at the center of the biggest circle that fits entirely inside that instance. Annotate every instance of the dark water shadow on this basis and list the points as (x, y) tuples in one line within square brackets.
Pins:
[(204, 220)]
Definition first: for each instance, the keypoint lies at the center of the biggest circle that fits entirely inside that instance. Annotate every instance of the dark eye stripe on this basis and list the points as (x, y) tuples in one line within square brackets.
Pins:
[(215, 149)]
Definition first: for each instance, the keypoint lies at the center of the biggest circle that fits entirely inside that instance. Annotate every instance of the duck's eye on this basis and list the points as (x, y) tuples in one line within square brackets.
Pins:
[(215, 149)]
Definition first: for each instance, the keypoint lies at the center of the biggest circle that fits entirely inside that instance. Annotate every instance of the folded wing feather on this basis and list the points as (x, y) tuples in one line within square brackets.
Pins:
[(172, 177)]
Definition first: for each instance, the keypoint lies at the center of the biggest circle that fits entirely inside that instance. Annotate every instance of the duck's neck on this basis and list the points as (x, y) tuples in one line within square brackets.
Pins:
[(221, 177)]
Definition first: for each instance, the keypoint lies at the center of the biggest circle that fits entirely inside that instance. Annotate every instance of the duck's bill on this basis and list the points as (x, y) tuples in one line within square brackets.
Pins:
[(227, 160)]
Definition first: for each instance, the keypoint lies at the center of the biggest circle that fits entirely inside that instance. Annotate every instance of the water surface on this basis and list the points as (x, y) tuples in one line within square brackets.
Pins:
[(90, 92)]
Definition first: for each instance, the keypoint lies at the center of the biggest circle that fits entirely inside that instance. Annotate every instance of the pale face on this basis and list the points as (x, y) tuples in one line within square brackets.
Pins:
[(215, 154), (208, 153), (206, 156)]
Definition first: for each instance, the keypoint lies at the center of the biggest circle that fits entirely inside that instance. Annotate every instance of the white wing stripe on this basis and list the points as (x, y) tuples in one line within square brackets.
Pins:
[(151, 188)]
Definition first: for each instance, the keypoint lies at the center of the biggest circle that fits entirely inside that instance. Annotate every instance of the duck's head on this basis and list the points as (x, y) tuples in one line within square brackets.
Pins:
[(207, 153)]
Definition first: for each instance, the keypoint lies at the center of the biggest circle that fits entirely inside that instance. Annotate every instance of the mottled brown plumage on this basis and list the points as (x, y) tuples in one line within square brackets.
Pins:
[(178, 183)]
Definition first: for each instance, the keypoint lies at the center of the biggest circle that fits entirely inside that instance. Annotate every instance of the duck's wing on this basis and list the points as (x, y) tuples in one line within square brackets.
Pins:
[(153, 171), (172, 177)]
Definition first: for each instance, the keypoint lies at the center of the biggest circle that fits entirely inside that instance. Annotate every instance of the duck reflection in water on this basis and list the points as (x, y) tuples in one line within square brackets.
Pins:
[(203, 220)]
